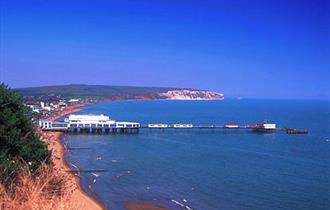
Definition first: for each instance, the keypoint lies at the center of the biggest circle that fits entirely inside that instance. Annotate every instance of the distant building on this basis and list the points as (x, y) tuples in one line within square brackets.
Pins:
[(231, 125), (158, 125), (45, 124), (47, 108), (62, 104), (55, 106), (72, 100), (265, 127), (33, 108), (182, 125), (269, 126)]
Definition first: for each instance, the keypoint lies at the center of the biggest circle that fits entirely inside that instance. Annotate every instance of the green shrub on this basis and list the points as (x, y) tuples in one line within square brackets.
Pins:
[(18, 140)]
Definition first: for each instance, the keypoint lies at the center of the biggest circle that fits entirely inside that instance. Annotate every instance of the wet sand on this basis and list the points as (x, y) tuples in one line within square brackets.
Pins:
[(143, 206)]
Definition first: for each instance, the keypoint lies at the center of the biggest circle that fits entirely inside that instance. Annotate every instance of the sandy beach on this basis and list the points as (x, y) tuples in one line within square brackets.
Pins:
[(77, 198)]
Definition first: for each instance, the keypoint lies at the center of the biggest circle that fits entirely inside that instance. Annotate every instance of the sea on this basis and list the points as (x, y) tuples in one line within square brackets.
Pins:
[(208, 169)]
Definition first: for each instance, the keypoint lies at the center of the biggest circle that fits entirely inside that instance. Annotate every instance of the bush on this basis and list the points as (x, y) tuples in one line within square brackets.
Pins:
[(18, 140)]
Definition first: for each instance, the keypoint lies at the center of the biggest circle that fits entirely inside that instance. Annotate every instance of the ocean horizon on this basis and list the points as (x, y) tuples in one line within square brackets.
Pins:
[(208, 169)]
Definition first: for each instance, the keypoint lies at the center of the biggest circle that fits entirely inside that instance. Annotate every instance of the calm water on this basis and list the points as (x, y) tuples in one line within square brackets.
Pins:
[(210, 169)]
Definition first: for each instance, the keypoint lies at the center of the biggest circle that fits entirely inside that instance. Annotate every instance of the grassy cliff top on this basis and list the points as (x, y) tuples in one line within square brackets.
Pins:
[(91, 91)]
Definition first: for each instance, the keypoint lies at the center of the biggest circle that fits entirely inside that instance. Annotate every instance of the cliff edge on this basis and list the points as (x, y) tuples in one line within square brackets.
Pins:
[(191, 95)]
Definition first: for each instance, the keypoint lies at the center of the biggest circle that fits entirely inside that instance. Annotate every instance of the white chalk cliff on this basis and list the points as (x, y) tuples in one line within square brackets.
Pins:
[(191, 95)]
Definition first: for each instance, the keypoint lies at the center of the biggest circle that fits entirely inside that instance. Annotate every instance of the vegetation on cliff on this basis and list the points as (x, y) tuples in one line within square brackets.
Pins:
[(118, 92), (93, 91), (19, 142), (27, 179)]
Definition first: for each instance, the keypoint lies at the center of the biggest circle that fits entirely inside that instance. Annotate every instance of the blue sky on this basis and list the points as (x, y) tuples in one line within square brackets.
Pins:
[(247, 48)]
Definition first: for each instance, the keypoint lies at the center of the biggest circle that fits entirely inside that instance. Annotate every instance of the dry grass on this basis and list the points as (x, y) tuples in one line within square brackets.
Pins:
[(45, 189)]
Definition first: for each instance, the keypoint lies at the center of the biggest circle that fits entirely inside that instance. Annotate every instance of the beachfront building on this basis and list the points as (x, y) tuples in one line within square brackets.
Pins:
[(45, 124), (91, 123), (97, 121)]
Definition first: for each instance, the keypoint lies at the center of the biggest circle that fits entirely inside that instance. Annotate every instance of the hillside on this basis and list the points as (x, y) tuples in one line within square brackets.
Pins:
[(119, 92)]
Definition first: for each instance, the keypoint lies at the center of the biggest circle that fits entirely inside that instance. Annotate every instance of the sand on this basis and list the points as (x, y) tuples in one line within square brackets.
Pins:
[(77, 198)]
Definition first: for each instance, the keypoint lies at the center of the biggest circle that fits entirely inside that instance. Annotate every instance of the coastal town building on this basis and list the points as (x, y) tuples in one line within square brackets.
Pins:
[(33, 108), (72, 100), (45, 107)]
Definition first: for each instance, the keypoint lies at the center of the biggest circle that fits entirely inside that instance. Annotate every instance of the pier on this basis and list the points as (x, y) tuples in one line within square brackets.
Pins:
[(100, 124), (259, 128)]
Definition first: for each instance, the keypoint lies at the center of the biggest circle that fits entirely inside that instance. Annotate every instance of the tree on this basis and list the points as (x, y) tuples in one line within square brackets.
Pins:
[(19, 143)]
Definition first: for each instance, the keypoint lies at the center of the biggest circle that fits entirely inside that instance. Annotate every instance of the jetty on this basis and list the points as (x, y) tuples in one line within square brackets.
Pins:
[(101, 124)]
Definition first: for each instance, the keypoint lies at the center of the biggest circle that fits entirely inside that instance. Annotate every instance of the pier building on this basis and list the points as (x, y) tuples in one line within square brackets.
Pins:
[(158, 125), (91, 124), (231, 126), (183, 126)]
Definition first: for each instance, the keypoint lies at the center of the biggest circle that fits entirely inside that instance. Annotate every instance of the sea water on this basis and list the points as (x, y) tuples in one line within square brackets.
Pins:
[(209, 169)]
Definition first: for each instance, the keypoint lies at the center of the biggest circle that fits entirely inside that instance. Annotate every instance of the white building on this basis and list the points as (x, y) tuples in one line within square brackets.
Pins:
[(33, 108), (45, 124), (182, 125), (73, 100), (90, 122), (231, 126), (44, 107), (47, 108), (269, 126), (158, 125), (98, 121)]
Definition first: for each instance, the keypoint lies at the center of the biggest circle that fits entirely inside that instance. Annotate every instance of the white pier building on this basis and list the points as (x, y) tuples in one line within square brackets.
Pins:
[(90, 123)]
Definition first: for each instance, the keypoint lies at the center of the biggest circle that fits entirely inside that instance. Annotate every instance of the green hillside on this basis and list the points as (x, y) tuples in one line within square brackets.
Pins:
[(92, 91)]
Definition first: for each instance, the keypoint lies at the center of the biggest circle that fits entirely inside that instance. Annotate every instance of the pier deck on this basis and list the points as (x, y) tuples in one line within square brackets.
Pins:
[(97, 130), (103, 124), (245, 127)]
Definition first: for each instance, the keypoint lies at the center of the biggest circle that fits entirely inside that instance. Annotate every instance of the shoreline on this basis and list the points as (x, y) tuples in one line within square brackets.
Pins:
[(77, 197)]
